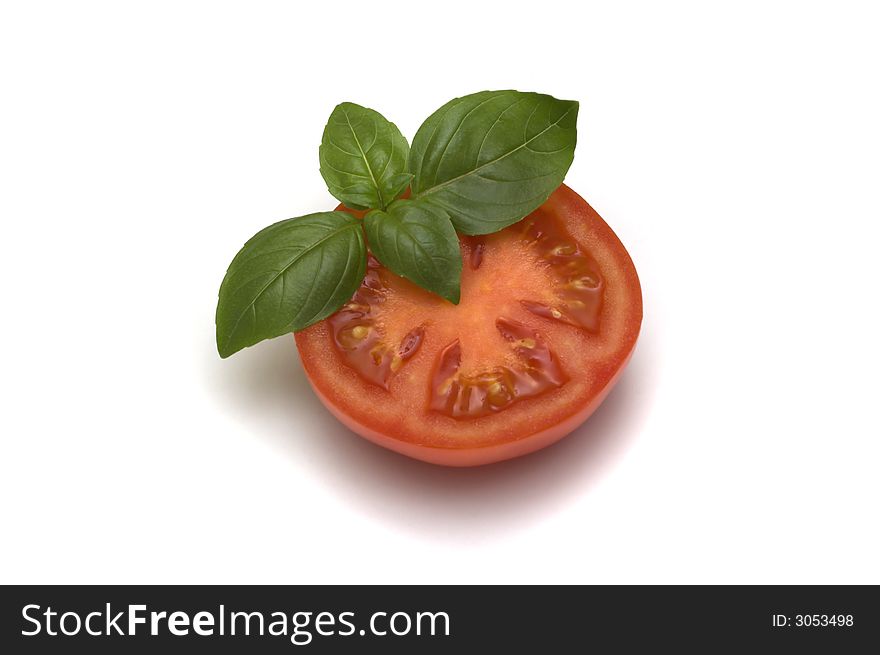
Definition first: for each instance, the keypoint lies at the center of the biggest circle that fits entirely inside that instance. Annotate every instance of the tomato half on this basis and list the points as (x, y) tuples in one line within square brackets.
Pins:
[(549, 315)]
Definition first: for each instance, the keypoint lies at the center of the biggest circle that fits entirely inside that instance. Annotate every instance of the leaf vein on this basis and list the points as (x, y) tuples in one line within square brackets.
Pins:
[(287, 267), (447, 183)]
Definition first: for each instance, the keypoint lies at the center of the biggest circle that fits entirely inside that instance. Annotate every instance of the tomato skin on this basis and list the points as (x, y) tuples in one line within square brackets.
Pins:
[(536, 422), (464, 457)]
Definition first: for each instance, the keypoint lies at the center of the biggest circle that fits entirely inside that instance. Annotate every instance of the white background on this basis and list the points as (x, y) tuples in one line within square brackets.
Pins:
[(734, 150)]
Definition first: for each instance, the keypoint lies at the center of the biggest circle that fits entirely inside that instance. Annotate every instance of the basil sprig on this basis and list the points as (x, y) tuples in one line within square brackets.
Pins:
[(477, 165)]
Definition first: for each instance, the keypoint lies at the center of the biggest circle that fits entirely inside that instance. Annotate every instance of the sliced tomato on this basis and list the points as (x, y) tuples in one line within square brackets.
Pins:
[(549, 315)]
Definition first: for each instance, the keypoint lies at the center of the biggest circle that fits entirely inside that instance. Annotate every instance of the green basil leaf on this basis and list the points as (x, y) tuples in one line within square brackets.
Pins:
[(288, 276), (491, 158), (363, 157), (417, 241)]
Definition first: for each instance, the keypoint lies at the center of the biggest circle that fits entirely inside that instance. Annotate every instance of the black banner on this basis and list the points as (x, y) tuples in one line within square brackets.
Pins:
[(542, 619)]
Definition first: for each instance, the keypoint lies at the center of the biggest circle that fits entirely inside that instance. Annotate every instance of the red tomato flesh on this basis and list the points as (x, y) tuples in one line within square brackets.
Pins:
[(549, 315)]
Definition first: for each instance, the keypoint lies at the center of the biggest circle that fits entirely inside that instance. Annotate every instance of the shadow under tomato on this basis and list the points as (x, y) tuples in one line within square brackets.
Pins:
[(473, 504)]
